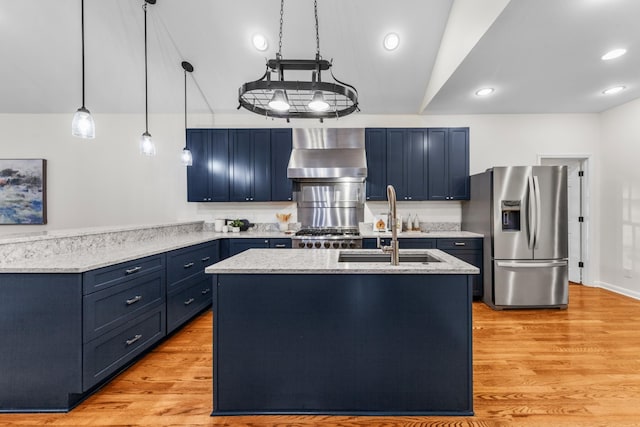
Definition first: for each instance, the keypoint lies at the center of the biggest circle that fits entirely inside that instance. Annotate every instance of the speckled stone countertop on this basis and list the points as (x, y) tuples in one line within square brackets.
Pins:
[(77, 251), (421, 234), (325, 261)]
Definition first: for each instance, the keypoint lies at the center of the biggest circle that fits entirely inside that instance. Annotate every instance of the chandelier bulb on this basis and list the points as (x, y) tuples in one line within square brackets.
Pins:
[(279, 101), (318, 103)]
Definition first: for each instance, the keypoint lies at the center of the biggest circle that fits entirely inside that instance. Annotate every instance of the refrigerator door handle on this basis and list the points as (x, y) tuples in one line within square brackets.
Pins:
[(536, 184), (532, 212), (529, 264)]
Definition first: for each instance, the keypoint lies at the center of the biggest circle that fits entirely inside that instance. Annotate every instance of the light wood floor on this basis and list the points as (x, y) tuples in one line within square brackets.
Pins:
[(575, 367)]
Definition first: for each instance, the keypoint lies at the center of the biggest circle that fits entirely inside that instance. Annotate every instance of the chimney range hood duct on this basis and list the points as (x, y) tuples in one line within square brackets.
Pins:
[(328, 154)]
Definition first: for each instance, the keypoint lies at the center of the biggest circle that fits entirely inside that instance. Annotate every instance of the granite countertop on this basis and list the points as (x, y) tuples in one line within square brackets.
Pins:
[(421, 234), (325, 261), (89, 259)]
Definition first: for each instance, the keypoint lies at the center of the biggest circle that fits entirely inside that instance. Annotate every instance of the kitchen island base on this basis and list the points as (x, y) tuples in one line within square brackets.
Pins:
[(374, 344)]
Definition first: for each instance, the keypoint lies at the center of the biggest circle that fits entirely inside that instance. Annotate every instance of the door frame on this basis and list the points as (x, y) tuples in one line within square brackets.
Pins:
[(585, 208)]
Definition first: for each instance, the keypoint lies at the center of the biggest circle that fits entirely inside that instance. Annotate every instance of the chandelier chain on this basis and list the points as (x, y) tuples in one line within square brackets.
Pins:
[(315, 12), (280, 35)]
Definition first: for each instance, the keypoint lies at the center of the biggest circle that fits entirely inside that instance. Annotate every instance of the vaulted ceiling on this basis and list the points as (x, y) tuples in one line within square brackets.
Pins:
[(540, 56)]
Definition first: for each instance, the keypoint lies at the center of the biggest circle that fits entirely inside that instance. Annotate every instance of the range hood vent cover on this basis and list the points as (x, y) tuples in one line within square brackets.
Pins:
[(328, 154)]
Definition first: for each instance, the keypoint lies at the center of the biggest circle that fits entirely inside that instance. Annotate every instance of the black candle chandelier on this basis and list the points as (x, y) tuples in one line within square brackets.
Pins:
[(287, 99)]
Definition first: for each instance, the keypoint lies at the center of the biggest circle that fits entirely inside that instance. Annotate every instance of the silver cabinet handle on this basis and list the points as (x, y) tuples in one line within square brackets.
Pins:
[(460, 244), (189, 265), (205, 259), (281, 245), (134, 300), (189, 301), (132, 270), (134, 339), (205, 291)]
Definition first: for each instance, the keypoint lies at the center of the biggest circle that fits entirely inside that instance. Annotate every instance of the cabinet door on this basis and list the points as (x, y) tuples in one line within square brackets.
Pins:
[(250, 165), (416, 243), (376, 151), (438, 168), (415, 148), (448, 170), (208, 178), (458, 163), (240, 165), (281, 186), (396, 164), (261, 165)]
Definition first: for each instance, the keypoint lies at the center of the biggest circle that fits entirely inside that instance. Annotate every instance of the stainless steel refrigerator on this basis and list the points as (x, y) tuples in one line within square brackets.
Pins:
[(522, 212)]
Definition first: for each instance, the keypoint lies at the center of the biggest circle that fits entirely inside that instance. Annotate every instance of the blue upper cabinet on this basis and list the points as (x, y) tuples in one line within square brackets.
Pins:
[(281, 144), (208, 178), (250, 165), (407, 162), (376, 150), (448, 163)]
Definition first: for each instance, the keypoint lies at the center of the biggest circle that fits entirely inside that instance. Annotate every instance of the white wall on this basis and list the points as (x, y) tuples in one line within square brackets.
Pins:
[(106, 182), (620, 201)]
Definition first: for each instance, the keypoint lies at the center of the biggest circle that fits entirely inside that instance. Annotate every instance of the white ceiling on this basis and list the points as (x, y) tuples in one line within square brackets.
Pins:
[(541, 56)]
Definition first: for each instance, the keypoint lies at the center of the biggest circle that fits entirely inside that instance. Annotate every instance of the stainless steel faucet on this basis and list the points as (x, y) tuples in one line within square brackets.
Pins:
[(393, 247)]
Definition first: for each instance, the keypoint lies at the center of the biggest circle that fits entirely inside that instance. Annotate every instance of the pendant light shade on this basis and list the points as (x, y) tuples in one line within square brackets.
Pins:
[(82, 124), (279, 101), (147, 146), (318, 103), (187, 158)]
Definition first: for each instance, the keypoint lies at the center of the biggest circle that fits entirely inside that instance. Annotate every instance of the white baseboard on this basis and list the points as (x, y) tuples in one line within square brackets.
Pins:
[(618, 289)]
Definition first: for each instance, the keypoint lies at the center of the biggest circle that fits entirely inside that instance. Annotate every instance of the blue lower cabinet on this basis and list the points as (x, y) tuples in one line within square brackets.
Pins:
[(240, 245), (189, 300)]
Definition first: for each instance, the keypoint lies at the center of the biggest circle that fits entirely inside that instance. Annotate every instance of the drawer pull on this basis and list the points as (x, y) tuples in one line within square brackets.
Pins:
[(205, 259), (188, 265), (189, 301), (134, 339), (460, 244), (132, 270), (134, 300), (281, 245), (205, 291)]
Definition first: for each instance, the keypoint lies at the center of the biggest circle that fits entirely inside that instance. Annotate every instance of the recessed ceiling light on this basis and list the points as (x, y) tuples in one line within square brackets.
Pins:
[(613, 90), (615, 53), (391, 41), (484, 91), (260, 42)]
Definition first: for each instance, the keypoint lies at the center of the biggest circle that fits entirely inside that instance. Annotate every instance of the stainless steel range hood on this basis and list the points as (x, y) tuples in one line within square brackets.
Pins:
[(334, 154)]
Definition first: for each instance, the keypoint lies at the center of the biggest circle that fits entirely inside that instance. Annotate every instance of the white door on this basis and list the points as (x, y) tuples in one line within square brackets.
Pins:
[(577, 217)]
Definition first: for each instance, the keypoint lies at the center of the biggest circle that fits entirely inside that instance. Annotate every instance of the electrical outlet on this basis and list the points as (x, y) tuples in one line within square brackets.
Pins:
[(627, 273)]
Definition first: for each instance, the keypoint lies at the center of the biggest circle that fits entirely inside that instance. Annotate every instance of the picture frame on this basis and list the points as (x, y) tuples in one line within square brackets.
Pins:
[(23, 191)]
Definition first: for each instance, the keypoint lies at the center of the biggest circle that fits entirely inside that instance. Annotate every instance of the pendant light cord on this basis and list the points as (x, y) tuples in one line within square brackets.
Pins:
[(185, 100), (146, 90), (82, 32)]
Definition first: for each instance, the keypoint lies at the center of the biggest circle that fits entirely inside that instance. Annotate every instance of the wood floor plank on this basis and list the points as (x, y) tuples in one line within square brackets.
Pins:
[(574, 367)]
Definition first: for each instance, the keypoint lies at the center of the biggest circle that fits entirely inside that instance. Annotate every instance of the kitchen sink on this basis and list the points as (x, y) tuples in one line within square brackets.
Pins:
[(384, 257)]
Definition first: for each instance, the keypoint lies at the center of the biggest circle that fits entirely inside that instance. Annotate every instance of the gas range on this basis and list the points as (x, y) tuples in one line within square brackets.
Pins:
[(327, 238)]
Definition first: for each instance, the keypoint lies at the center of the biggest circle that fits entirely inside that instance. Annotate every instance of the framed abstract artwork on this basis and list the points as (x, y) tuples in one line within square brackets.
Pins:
[(23, 191)]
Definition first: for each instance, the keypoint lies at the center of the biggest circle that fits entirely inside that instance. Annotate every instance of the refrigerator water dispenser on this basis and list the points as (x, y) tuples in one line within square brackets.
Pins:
[(510, 215)]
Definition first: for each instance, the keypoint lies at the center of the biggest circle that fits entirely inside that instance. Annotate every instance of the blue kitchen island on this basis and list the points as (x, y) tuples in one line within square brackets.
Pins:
[(314, 332)]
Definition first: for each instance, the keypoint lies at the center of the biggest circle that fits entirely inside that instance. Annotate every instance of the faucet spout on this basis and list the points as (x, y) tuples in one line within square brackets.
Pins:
[(393, 247)]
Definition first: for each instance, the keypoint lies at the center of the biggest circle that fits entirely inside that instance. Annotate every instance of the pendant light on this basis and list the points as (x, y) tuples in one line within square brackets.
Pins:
[(299, 99), (187, 158), (147, 146), (82, 124)]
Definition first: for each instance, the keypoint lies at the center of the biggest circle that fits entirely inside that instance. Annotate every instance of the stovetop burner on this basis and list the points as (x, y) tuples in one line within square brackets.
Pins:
[(329, 231)]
